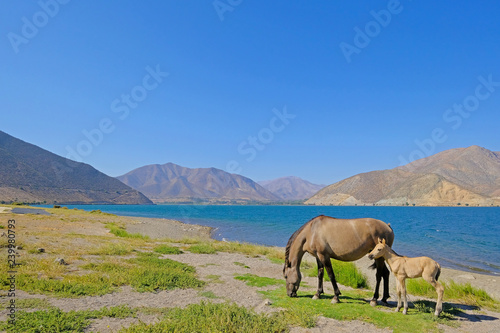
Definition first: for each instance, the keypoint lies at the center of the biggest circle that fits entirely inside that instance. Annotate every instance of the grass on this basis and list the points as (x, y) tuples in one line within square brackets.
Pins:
[(354, 306), (165, 249), (204, 248), (121, 232), (273, 253), (258, 281), (461, 292), (346, 273), (146, 272), (208, 317), (214, 278), (55, 320), (237, 263)]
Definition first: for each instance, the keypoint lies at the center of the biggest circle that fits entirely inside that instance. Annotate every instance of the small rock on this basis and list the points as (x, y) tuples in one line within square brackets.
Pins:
[(60, 261), (19, 247), (267, 302), (40, 250)]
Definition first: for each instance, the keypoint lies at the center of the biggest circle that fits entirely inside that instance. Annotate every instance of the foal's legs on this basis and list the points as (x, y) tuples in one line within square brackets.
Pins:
[(321, 271), (439, 289), (398, 288), (402, 286)]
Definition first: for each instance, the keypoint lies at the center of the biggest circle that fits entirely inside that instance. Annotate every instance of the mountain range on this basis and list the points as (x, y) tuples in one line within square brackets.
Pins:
[(462, 176), (31, 174), (291, 188), (173, 183)]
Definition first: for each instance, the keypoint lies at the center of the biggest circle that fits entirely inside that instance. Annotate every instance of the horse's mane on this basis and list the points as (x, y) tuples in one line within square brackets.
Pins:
[(395, 252), (292, 239)]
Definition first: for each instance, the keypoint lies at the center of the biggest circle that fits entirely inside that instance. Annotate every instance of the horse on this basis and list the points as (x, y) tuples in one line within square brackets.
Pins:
[(325, 238), (405, 267)]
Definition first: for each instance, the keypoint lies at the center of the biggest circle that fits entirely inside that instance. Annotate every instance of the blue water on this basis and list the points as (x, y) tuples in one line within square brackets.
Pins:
[(466, 238)]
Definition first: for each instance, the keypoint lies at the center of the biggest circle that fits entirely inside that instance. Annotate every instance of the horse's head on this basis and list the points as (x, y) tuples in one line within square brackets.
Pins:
[(292, 276), (379, 250)]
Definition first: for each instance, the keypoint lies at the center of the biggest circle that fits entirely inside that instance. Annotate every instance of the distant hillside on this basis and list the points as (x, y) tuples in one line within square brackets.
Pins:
[(173, 183), (291, 188), (463, 176), (31, 174)]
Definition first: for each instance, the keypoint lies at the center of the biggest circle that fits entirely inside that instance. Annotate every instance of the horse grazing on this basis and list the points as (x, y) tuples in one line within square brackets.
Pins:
[(326, 237), (404, 267)]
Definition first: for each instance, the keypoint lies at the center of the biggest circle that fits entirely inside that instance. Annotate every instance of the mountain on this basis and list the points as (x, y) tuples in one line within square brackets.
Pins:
[(173, 183), (31, 174), (291, 188), (465, 176)]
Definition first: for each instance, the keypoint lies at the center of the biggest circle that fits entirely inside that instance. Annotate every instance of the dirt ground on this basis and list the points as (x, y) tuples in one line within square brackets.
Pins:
[(219, 270)]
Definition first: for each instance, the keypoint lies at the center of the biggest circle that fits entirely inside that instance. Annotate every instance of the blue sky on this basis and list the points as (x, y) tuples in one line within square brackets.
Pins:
[(321, 90)]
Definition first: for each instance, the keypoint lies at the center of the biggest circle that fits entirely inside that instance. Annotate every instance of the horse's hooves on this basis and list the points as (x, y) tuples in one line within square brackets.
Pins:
[(437, 313), (373, 302), (335, 300), (315, 297)]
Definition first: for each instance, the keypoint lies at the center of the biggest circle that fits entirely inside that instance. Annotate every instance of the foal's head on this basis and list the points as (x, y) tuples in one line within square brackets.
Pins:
[(380, 250)]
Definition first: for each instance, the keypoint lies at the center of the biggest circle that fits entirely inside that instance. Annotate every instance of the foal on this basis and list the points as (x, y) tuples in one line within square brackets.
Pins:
[(404, 267)]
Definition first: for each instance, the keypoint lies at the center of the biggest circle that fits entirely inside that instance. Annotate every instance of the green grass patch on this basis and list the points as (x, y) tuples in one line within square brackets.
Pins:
[(237, 263), (144, 273), (346, 273), (99, 212), (165, 249), (251, 250), (214, 278), (121, 232), (70, 286), (462, 292), (208, 317), (259, 281), (355, 305), (55, 320), (203, 248)]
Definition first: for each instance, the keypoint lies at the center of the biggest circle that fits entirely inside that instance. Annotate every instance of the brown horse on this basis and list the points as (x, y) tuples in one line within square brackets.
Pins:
[(325, 238), (404, 267)]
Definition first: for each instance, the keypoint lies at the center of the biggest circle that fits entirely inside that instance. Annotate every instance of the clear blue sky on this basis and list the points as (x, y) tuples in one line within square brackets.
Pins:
[(321, 90)]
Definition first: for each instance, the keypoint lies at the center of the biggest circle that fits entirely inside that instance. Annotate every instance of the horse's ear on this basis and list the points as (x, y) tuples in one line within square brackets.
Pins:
[(380, 240), (383, 241)]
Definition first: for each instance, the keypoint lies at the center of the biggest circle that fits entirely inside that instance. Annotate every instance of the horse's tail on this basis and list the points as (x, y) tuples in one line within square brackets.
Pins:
[(438, 272), (373, 266)]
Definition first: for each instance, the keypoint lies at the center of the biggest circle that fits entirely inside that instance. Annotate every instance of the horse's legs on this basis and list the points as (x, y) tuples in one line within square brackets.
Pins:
[(328, 264), (386, 275), (382, 271), (439, 289), (321, 271)]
